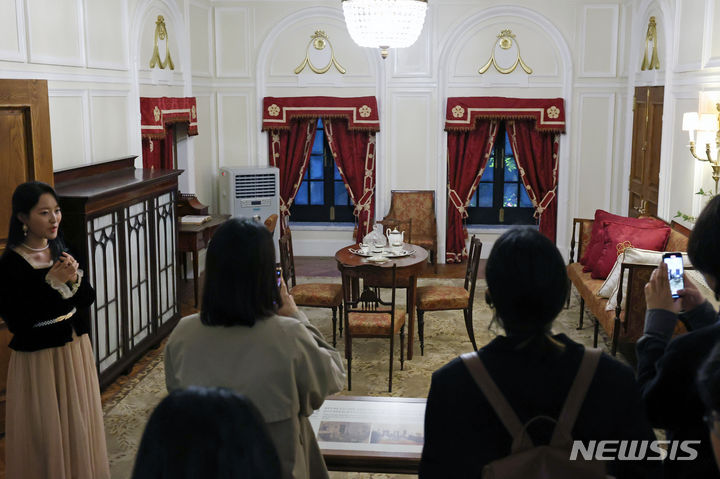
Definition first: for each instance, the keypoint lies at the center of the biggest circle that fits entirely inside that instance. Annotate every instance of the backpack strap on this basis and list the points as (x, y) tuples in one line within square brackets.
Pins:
[(492, 393), (576, 396)]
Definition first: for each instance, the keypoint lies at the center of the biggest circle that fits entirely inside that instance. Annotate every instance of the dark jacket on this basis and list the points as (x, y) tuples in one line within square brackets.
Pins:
[(463, 433), (667, 372), (26, 300)]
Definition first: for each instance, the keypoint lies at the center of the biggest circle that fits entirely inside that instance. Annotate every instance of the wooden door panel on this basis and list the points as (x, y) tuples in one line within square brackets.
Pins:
[(645, 161), (13, 153)]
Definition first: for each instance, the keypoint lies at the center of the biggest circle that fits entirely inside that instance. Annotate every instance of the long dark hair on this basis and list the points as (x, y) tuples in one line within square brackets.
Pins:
[(24, 199), (206, 432), (704, 239), (240, 285), (527, 281)]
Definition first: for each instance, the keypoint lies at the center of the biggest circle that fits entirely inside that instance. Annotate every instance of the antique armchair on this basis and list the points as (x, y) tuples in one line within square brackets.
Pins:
[(419, 207), (314, 295), (368, 316), (443, 298), (271, 222)]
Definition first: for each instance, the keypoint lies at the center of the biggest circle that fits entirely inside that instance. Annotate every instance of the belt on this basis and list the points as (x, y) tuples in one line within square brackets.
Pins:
[(56, 320)]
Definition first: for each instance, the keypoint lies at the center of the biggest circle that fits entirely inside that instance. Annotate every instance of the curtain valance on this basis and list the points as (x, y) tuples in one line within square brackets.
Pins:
[(361, 113), (462, 112), (155, 113)]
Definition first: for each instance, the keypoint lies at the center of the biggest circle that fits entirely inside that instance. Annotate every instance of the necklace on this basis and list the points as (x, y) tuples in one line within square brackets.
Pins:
[(36, 249)]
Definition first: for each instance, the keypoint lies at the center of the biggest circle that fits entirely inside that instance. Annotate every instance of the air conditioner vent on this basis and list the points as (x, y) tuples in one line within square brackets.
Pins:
[(255, 186)]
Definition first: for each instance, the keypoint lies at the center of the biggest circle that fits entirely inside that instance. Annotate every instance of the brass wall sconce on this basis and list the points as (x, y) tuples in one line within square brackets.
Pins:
[(703, 127)]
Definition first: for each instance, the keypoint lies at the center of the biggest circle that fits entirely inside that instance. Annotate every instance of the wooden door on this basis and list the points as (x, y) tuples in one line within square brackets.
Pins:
[(647, 136), (25, 154)]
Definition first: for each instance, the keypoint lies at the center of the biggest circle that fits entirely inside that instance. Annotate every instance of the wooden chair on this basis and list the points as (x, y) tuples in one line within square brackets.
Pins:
[(271, 222), (314, 295), (370, 317), (418, 206), (442, 298)]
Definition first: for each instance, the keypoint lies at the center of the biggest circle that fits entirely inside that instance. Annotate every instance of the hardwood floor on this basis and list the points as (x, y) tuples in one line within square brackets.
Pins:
[(304, 266)]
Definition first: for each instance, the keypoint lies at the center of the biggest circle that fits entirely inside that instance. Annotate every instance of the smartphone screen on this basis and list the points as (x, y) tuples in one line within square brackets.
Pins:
[(674, 264), (278, 274)]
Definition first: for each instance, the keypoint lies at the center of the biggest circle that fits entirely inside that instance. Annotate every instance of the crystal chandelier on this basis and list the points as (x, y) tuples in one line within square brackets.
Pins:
[(384, 24)]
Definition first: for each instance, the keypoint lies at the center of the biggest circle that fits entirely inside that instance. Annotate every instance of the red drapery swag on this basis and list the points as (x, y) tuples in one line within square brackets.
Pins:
[(157, 119), (350, 126), (534, 126)]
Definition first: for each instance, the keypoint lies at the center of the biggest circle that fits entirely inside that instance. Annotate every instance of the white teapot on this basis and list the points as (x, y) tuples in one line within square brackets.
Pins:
[(395, 238)]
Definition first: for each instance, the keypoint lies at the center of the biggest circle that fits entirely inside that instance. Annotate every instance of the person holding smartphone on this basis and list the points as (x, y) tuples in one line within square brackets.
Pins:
[(667, 368)]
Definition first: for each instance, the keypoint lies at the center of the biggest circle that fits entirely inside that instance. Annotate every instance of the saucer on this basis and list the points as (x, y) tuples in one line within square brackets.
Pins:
[(378, 259)]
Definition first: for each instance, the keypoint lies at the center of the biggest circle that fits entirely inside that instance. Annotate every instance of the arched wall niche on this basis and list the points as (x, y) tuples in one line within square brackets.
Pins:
[(463, 44), (156, 82)]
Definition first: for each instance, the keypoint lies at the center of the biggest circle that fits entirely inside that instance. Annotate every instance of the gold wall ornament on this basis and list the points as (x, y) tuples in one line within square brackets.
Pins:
[(505, 41), (651, 36), (161, 34), (319, 41)]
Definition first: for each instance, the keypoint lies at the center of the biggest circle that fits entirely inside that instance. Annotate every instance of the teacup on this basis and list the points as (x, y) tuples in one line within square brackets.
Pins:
[(397, 248), (364, 248)]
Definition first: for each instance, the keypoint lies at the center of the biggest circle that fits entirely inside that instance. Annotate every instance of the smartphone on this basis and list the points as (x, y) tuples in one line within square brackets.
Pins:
[(674, 262), (278, 274)]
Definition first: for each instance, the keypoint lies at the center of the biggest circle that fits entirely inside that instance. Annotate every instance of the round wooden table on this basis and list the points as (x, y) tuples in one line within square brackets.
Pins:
[(354, 267)]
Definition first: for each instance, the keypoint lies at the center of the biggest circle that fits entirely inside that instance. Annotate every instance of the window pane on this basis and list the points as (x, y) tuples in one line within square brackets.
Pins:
[(524, 198), (341, 195), (316, 167), (508, 148), (317, 148), (511, 170), (301, 198), (317, 190), (337, 172), (510, 198), (485, 195), (473, 199), (489, 172)]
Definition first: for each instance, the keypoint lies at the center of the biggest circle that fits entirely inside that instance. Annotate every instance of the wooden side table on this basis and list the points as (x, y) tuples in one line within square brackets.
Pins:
[(193, 238)]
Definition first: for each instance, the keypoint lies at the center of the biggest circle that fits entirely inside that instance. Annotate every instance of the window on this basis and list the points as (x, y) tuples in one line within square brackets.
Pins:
[(322, 196), (501, 197)]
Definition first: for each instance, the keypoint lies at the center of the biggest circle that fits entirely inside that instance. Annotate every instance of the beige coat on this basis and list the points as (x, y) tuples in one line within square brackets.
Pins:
[(283, 365)]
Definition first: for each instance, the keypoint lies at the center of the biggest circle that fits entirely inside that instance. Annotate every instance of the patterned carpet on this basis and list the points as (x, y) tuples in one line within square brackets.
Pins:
[(445, 338)]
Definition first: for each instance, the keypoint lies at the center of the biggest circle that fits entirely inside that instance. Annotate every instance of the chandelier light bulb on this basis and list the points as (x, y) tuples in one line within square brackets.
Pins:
[(384, 24)]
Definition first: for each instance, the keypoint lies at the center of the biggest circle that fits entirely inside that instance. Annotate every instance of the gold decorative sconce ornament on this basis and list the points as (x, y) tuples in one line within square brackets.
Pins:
[(651, 36), (161, 34), (319, 41), (505, 41), (705, 126)]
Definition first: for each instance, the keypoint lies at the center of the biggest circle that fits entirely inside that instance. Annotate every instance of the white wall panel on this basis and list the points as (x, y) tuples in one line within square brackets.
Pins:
[(411, 146), (206, 152), (234, 130), (599, 40), (416, 60), (690, 20), (109, 125), (232, 41), (12, 30), (55, 32), (594, 152), (201, 44), (712, 39), (106, 29), (69, 131)]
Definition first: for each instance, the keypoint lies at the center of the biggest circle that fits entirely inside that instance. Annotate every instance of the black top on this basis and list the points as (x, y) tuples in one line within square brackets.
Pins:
[(26, 300), (667, 372), (463, 432)]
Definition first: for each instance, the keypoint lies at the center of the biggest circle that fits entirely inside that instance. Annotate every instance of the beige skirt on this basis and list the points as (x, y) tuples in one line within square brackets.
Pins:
[(54, 420)]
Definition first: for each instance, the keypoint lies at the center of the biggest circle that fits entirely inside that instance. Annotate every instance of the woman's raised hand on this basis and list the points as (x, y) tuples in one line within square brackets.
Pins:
[(289, 308), (64, 269)]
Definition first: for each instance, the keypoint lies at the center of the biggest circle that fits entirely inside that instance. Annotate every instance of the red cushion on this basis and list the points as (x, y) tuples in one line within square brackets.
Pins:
[(618, 236), (595, 245)]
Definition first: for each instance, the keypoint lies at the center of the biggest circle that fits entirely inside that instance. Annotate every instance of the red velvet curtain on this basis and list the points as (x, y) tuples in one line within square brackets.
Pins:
[(468, 153), (354, 153), (290, 151), (158, 152), (537, 160)]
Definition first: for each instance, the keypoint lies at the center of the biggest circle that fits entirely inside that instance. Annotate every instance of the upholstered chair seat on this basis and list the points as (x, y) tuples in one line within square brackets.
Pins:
[(317, 294), (438, 297), (368, 325)]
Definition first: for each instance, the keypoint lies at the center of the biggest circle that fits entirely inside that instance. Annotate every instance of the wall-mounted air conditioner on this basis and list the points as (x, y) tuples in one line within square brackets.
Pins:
[(251, 193)]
